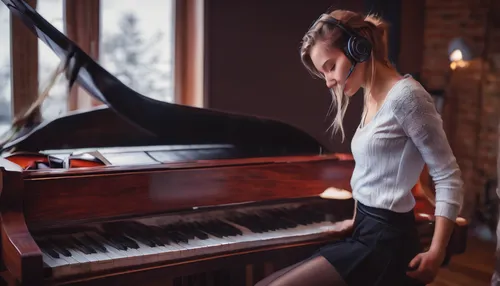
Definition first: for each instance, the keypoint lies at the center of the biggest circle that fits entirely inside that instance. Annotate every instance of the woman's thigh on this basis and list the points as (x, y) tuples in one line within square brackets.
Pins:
[(314, 271)]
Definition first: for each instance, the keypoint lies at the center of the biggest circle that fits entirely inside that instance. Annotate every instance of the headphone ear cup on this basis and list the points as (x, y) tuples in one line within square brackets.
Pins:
[(359, 48), (347, 53)]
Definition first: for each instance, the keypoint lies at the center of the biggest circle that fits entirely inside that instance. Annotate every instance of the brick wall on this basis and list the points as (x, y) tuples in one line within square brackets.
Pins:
[(472, 107)]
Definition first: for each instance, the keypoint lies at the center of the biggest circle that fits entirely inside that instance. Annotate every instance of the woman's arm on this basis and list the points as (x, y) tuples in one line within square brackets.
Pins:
[(355, 208), (415, 111), (442, 234)]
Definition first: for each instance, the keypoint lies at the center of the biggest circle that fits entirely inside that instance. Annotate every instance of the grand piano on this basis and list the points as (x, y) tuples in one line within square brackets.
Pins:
[(142, 192)]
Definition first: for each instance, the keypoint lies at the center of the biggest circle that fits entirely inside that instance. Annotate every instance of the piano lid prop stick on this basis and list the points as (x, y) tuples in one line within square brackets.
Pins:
[(27, 118), (20, 120)]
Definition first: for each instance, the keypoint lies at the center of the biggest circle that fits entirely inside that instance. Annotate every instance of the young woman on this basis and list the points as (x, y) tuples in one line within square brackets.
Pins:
[(399, 132)]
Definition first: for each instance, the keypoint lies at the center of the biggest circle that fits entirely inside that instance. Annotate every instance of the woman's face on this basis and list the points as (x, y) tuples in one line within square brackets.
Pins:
[(334, 66)]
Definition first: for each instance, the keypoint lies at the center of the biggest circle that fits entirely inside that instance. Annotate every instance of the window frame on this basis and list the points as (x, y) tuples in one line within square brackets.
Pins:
[(83, 27)]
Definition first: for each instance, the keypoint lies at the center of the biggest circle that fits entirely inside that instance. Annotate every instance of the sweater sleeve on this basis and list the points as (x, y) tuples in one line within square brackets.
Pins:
[(415, 111)]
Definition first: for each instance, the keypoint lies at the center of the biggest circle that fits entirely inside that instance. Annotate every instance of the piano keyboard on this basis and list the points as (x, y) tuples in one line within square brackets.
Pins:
[(130, 243)]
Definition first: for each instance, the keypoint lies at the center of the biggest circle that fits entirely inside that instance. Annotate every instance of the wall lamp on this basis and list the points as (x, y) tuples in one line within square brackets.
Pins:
[(459, 53)]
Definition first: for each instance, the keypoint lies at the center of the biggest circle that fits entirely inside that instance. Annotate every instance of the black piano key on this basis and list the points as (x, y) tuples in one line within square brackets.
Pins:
[(184, 230), (299, 215), (51, 252), (140, 236), (176, 236), (126, 234), (196, 232), (129, 243), (267, 222), (109, 241), (178, 232), (118, 241), (290, 216), (158, 238), (285, 220), (205, 227), (148, 234), (117, 232), (312, 214), (227, 228), (238, 219), (86, 249), (88, 240), (130, 229), (47, 248), (249, 221), (62, 251), (256, 222), (61, 246), (160, 235), (213, 227)]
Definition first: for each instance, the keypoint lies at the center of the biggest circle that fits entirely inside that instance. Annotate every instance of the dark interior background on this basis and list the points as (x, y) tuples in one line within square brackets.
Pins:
[(253, 64)]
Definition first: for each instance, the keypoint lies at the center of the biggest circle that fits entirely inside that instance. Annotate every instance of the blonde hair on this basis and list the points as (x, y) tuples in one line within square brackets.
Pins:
[(372, 27)]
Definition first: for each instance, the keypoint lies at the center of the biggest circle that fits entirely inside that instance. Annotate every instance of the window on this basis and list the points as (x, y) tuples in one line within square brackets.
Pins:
[(137, 45), (5, 70), (56, 104), (138, 41)]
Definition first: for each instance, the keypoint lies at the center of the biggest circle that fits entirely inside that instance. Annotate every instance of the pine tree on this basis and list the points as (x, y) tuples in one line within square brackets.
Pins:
[(135, 61)]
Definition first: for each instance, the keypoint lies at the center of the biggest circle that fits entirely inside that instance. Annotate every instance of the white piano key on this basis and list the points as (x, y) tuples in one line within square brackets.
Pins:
[(51, 261), (69, 265), (128, 256), (201, 247), (148, 254), (115, 258), (112, 255), (60, 267), (79, 257)]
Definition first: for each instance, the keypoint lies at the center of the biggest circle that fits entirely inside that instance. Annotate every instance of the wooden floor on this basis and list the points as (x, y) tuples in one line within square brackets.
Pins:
[(473, 268)]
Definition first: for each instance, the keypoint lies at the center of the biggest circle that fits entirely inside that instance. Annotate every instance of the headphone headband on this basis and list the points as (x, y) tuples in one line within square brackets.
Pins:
[(333, 21), (358, 49)]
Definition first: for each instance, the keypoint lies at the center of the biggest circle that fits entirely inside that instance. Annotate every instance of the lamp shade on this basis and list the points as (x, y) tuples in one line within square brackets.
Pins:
[(459, 50)]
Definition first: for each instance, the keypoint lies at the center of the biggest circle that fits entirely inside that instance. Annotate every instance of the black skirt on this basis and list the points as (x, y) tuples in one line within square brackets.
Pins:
[(382, 245)]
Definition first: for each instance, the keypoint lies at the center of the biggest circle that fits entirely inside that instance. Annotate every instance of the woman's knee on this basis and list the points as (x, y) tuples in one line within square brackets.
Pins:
[(273, 276), (317, 271)]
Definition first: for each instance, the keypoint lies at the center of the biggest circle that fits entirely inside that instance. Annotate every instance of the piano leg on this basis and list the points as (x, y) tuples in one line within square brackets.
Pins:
[(6, 279)]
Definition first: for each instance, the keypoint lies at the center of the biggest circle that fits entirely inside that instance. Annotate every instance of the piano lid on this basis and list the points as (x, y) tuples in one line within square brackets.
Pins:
[(146, 120)]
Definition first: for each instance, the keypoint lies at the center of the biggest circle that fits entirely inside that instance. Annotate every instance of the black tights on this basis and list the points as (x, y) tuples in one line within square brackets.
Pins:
[(315, 271)]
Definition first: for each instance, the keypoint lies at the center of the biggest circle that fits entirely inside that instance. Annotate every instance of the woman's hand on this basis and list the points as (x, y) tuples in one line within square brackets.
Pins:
[(345, 226), (426, 265)]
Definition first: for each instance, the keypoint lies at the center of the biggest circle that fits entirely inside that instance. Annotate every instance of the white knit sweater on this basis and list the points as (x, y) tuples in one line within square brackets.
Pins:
[(391, 149)]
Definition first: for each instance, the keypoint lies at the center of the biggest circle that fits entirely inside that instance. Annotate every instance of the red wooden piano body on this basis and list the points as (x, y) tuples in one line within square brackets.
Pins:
[(172, 195), (47, 211)]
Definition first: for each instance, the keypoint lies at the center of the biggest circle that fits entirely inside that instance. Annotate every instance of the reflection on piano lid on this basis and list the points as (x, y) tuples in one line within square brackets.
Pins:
[(146, 155), (131, 119)]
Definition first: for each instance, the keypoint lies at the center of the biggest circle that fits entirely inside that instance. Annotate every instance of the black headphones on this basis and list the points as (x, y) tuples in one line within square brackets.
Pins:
[(358, 49)]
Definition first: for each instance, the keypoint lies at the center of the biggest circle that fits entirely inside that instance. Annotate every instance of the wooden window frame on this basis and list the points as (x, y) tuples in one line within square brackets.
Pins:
[(83, 27), (24, 66), (189, 77)]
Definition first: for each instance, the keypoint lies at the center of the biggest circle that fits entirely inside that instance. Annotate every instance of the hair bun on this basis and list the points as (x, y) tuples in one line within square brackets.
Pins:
[(377, 22)]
